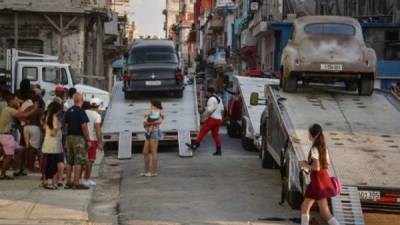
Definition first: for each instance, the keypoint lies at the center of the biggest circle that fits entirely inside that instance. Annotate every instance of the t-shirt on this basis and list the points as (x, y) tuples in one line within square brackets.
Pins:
[(75, 117), (215, 107), (3, 104), (69, 103), (94, 117), (315, 154), (7, 121), (26, 104)]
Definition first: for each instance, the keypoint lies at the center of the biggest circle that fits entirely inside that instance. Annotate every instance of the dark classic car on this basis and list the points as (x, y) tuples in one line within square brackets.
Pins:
[(328, 49), (153, 67)]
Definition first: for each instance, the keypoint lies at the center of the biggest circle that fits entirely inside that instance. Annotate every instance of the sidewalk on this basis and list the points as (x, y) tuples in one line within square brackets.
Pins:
[(22, 201)]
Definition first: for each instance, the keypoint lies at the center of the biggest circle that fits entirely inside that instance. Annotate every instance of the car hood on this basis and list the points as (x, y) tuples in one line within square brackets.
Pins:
[(91, 92), (330, 49)]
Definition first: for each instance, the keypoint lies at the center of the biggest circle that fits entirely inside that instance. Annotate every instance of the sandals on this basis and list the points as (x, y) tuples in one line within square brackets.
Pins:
[(145, 174), (5, 177), (50, 187), (148, 174), (20, 173), (80, 187)]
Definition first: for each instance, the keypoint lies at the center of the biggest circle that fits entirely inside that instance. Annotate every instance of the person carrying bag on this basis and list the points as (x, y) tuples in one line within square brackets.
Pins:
[(321, 186)]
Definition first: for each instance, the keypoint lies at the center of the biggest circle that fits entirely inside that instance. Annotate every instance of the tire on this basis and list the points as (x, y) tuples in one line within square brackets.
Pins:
[(289, 83), (293, 197), (129, 95), (267, 162), (233, 129), (365, 87), (179, 94), (247, 143)]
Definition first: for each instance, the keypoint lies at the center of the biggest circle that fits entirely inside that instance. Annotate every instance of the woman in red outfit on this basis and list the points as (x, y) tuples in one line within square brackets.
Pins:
[(321, 187)]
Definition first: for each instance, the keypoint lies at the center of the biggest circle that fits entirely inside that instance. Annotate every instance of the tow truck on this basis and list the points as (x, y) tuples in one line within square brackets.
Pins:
[(362, 135)]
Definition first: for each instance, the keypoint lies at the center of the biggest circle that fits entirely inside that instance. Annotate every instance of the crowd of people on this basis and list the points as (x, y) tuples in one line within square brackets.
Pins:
[(58, 138)]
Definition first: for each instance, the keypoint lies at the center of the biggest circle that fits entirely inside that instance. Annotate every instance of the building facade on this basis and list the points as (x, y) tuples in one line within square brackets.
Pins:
[(83, 33)]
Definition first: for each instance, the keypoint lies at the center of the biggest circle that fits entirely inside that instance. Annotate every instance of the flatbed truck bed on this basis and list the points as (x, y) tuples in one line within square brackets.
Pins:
[(362, 136), (126, 116)]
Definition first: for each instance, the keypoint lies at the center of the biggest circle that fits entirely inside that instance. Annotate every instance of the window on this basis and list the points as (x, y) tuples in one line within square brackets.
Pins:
[(30, 73), (329, 28), (54, 75), (152, 55)]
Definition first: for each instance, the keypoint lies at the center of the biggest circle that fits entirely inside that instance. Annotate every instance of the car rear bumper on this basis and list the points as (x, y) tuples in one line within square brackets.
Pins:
[(153, 88), (353, 70)]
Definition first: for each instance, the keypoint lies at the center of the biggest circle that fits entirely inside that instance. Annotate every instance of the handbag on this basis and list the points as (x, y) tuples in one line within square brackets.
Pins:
[(337, 184)]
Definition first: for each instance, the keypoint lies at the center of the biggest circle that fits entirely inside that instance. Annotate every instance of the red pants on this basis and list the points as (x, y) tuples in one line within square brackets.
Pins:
[(213, 125)]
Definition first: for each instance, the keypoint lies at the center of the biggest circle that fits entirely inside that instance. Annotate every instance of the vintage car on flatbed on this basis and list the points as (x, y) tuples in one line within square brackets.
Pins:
[(328, 49)]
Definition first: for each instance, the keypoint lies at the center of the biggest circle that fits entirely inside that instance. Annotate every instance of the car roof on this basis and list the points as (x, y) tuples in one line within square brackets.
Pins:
[(146, 43), (326, 19)]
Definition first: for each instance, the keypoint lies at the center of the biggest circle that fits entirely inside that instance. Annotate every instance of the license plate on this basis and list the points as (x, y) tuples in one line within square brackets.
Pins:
[(370, 195), (153, 83), (332, 67)]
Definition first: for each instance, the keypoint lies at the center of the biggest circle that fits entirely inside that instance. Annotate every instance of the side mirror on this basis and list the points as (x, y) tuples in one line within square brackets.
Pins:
[(254, 99)]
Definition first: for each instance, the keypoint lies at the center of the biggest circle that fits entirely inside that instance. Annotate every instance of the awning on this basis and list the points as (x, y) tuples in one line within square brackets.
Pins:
[(118, 63)]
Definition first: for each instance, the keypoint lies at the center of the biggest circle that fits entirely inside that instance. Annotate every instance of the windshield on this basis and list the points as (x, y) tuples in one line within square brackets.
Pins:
[(152, 55), (329, 28)]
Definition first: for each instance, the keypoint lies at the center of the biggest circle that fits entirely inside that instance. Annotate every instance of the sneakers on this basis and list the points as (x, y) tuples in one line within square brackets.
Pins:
[(145, 174), (148, 174), (89, 183), (192, 146)]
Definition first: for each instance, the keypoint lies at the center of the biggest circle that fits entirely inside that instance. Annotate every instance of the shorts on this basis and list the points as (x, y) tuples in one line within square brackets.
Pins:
[(92, 151), (155, 134), (8, 144), (33, 136), (77, 150), (60, 157)]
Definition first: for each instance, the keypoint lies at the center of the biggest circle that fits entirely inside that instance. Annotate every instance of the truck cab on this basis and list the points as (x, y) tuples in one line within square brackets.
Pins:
[(48, 72)]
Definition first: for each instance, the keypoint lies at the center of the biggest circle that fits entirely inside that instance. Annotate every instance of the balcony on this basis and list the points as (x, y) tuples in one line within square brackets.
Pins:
[(71, 6)]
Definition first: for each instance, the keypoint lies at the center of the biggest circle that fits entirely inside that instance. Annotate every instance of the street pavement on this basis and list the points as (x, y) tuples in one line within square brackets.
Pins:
[(22, 201), (231, 189)]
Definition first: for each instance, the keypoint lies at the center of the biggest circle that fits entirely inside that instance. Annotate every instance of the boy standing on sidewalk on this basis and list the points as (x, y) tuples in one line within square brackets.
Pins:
[(213, 120), (94, 127)]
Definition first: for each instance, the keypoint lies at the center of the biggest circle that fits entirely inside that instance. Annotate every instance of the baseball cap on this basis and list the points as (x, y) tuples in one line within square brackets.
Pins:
[(95, 102), (59, 90)]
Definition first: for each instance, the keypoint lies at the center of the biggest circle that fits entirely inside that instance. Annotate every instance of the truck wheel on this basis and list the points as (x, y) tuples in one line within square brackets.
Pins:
[(365, 87), (233, 129), (129, 95), (289, 83), (247, 143), (179, 94), (294, 198), (267, 162)]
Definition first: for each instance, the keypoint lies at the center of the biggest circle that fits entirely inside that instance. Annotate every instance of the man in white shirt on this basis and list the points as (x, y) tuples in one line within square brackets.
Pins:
[(94, 127), (213, 120)]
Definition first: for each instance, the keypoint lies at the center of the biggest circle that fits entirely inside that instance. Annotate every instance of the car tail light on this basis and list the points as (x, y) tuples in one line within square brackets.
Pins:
[(179, 76), (125, 77), (389, 198)]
